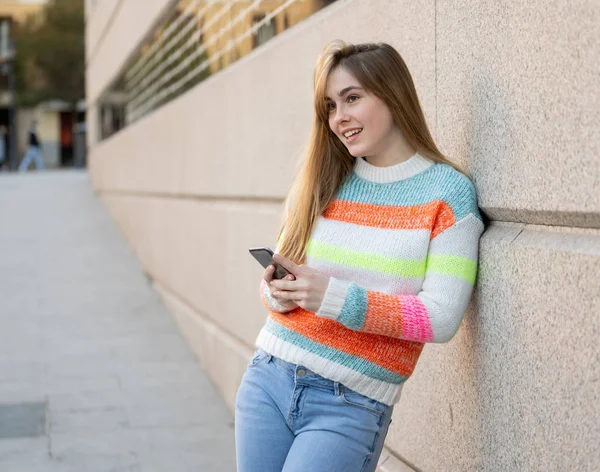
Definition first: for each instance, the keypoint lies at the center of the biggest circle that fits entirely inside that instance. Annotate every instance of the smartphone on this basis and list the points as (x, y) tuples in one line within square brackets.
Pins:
[(264, 256)]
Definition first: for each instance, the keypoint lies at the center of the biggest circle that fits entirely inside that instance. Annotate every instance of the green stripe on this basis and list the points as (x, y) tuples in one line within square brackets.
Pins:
[(352, 362), (364, 260), (455, 266)]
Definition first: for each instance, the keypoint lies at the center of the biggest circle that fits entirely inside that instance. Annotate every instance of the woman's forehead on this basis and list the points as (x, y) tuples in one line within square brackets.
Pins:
[(338, 80)]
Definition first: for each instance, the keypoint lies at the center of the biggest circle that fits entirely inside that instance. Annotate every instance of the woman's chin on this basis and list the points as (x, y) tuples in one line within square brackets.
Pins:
[(355, 151)]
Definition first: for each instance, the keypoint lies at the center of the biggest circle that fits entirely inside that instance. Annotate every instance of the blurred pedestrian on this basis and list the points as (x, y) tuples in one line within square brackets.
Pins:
[(34, 151)]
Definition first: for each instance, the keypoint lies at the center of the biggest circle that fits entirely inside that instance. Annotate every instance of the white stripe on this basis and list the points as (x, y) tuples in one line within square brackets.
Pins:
[(462, 239), (446, 299), (399, 243), (377, 389), (334, 299)]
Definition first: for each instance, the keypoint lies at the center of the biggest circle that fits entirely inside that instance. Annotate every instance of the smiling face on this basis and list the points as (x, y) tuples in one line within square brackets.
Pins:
[(360, 120)]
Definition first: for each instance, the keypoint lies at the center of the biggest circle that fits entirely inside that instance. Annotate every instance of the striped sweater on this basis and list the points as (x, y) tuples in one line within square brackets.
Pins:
[(400, 246)]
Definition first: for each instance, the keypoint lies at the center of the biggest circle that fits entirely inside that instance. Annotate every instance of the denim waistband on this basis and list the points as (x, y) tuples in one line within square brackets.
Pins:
[(304, 375)]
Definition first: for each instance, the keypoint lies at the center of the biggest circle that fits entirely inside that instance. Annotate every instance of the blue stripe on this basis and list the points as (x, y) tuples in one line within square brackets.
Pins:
[(347, 360), (354, 310), (438, 182)]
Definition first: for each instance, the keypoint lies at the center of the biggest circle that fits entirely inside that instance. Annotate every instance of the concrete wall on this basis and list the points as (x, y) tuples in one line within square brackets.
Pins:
[(510, 91)]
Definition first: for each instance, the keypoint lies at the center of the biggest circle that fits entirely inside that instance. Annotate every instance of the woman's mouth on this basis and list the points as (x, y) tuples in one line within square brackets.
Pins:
[(352, 135)]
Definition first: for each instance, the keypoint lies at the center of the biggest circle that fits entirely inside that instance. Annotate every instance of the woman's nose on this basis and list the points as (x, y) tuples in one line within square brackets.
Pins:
[(340, 116)]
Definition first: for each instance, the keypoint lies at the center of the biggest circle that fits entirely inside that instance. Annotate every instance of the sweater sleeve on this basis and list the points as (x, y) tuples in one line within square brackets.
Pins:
[(432, 315)]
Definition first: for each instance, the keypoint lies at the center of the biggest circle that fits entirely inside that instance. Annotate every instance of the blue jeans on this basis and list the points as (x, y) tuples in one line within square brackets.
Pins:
[(33, 154), (290, 419)]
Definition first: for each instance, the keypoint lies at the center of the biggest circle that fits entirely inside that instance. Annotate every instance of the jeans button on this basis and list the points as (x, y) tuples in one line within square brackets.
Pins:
[(301, 372)]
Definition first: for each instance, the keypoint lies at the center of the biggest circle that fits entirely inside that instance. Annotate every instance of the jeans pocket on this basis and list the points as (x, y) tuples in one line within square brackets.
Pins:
[(358, 400)]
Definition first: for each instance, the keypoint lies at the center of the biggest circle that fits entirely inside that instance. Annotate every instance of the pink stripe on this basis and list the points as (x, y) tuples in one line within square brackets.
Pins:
[(416, 325)]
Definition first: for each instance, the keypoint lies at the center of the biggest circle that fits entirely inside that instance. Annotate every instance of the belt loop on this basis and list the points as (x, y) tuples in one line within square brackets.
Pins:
[(268, 358), (336, 388)]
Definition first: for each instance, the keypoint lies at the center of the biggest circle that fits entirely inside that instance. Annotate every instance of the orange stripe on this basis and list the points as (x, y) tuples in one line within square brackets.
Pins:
[(383, 314), (396, 355), (445, 219), (437, 213)]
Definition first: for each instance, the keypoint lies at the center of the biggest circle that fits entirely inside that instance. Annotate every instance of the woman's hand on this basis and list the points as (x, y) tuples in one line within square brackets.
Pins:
[(307, 291), (268, 276)]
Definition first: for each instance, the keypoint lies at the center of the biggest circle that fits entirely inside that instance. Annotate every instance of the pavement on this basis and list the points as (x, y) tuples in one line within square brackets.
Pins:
[(94, 374)]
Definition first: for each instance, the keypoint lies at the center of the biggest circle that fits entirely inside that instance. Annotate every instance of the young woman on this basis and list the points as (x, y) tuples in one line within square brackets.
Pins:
[(381, 235)]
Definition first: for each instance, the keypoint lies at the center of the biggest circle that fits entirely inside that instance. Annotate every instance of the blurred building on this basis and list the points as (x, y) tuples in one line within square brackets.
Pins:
[(199, 110), (55, 120)]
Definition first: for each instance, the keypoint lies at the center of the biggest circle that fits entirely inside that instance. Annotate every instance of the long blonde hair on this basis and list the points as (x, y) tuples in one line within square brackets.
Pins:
[(380, 70)]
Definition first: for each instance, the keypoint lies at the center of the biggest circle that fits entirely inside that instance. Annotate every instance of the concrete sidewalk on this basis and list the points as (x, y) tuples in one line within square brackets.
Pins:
[(94, 375)]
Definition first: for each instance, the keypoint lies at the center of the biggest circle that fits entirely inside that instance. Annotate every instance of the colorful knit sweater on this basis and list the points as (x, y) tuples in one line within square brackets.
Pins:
[(400, 246)]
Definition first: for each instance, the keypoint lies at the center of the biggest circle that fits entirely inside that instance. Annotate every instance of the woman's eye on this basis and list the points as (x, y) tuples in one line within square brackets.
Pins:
[(330, 106), (352, 98)]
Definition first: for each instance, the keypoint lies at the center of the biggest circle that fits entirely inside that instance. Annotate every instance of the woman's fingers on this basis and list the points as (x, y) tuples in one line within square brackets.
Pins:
[(268, 275), (284, 298), (284, 284), (288, 296), (307, 291), (281, 296), (286, 263)]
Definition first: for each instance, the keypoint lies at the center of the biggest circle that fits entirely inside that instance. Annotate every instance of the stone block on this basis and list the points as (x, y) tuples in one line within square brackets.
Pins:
[(518, 105)]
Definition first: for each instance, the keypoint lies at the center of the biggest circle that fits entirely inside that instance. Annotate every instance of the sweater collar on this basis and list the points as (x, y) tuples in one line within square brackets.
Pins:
[(384, 175)]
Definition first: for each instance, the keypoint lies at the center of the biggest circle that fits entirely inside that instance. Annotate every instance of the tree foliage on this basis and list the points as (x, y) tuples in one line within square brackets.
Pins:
[(50, 54)]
